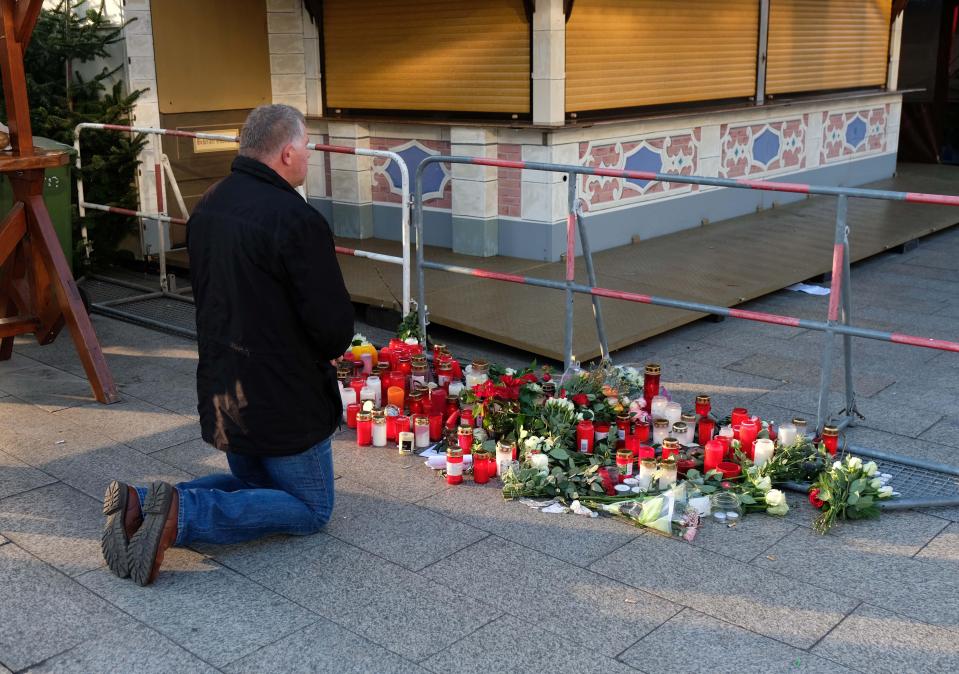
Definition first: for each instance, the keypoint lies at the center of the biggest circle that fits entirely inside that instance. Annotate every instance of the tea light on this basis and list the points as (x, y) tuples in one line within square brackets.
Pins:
[(762, 451), (622, 489), (647, 468), (719, 517), (421, 431), (732, 517), (787, 435), (657, 408), (673, 412)]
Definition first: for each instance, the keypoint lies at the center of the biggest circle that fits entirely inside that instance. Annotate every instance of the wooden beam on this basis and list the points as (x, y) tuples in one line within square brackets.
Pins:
[(12, 230), (25, 19), (18, 325), (14, 82)]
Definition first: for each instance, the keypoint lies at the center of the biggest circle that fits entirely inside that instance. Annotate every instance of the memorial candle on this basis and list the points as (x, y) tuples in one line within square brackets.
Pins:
[(738, 415), (403, 423), (623, 423), (601, 431), (624, 463), (464, 438), (421, 431), (436, 427), (830, 438), (373, 382), (762, 451), (748, 430), (647, 468), (660, 430), (801, 427), (679, 431), (504, 457), (703, 405), (670, 447), (379, 430), (651, 377), (364, 429), (787, 435), (483, 467), (673, 412), (585, 435), (714, 451), (657, 408), (707, 427), (351, 411), (454, 465), (667, 474), (395, 396)]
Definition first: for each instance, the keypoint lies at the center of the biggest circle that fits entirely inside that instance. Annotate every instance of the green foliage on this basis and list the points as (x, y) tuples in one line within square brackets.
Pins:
[(60, 99)]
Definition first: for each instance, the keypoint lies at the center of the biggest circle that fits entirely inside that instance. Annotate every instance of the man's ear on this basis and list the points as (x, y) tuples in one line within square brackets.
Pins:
[(286, 155)]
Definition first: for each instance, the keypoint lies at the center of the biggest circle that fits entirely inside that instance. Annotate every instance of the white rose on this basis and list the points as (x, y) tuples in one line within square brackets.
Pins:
[(775, 498), (510, 371), (412, 341), (885, 492), (854, 462), (870, 468), (764, 483), (875, 484), (836, 465)]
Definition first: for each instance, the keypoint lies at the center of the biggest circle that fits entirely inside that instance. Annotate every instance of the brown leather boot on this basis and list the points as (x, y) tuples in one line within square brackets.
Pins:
[(156, 534), (121, 505)]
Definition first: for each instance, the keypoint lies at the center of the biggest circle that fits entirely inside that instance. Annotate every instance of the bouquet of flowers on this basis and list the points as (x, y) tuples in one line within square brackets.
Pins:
[(756, 493), (851, 490)]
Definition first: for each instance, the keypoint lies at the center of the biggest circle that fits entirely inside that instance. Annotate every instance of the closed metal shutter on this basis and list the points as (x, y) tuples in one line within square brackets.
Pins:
[(427, 55), (629, 53), (827, 44)]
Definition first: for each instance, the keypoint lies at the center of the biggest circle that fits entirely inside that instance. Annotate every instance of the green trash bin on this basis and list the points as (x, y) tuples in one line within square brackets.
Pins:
[(56, 195)]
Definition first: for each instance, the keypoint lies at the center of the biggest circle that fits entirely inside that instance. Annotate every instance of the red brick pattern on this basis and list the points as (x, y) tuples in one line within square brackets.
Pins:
[(326, 167), (509, 182), (382, 188)]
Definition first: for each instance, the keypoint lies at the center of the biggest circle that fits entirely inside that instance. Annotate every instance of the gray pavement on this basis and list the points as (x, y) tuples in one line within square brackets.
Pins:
[(415, 576)]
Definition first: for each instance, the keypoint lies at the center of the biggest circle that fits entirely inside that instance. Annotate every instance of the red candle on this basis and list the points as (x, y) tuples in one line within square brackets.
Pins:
[(646, 452), (623, 423), (391, 428), (703, 405), (397, 380), (464, 438), (403, 424), (670, 447), (357, 384), (632, 445), (651, 377), (727, 446), (454, 465), (624, 463), (364, 429), (466, 417), (601, 431), (386, 353), (405, 365), (481, 467), (748, 430), (437, 400), (641, 431), (351, 411), (729, 469), (830, 438), (739, 414), (457, 370), (707, 427), (714, 453), (436, 427), (585, 435)]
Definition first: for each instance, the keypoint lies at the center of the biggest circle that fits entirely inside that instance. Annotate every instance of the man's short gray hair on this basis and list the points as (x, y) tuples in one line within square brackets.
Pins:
[(268, 128)]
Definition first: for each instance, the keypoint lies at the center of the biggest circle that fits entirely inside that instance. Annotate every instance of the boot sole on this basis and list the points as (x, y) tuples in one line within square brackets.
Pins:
[(146, 541), (114, 543)]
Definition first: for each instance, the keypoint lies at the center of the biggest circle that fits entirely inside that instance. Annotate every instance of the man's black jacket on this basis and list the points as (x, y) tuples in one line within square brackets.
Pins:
[(271, 312)]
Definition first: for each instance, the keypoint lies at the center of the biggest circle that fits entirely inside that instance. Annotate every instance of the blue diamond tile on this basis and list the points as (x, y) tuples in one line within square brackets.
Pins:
[(856, 132), (643, 160), (433, 176), (766, 147)]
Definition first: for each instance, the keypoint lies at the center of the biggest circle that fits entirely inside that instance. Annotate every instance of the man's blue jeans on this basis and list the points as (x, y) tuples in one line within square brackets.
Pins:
[(264, 495)]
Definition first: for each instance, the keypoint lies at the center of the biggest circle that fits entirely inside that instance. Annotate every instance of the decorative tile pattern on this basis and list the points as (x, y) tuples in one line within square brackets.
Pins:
[(437, 187), (678, 154), (853, 133), (765, 148)]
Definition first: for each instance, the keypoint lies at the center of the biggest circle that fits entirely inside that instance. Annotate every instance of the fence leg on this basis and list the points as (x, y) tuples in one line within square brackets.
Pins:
[(570, 267), (591, 274), (836, 292), (850, 410), (418, 226)]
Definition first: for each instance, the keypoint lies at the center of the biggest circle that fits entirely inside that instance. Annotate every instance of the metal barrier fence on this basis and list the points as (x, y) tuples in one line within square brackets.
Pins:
[(161, 216), (839, 312)]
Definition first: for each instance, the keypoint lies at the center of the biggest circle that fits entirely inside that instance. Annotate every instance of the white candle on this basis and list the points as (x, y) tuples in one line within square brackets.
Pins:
[(657, 407), (660, 432), (379, 434), (673, 412), (540, 462), (762, 451), (374, 383), (667, 474), (455, 388), (646, 470), (504, 457), (348, 396), (726, 431), (367, 393), (422, 434), (787, 435)]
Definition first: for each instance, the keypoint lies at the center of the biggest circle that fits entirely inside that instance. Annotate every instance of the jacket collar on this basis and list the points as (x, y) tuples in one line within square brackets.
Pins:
[(261, 171)]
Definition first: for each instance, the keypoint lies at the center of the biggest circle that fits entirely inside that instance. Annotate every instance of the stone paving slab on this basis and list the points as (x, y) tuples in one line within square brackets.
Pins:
[(43, 612), (767, 603), (872, 639), (579, 605), (577, 540), (194, 457), (943, 549), (744, 540), (176, 393), (692, 641), (408, 535), (58, 524), (807, 373), (47, 387), (509, 645), (408, 480), (389, 605), (324, 646), (726, 388), (924, 450), (132, 647), (945, 431), (216, 614), (246, 558), (16, 476), (137, 424), (891, 580)]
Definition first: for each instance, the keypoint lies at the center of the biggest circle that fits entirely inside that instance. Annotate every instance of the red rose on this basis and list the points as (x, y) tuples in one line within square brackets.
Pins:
[(580, 399), (814, 498), (546, 377)]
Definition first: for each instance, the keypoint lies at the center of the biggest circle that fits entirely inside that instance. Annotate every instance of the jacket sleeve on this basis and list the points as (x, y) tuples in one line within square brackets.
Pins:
[(316, 284)]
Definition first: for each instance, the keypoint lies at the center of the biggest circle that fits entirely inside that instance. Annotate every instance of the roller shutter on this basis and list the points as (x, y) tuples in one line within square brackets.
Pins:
[(827, 44), (427, 55), (629, 53)]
